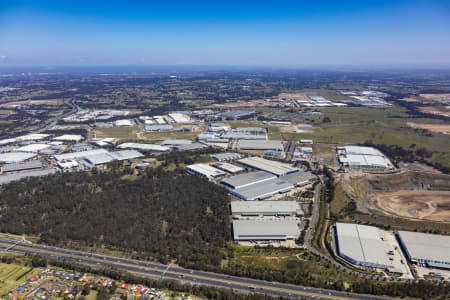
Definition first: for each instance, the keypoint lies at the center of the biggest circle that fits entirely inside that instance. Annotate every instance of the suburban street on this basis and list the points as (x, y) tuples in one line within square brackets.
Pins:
[(156, 270)]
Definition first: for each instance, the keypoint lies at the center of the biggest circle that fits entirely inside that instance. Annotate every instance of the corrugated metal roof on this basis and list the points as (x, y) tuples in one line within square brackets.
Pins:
[(7, 178), (363, 244), (144, 147), (12, 157), (246, 179), (32, 164), (274, 167), (265, 229), (230, 168), (99, 159), (206, 170), (263, 190), (246, 144), (126, 154), (425, 246), (238, 207), (226, 156), (73, 155)]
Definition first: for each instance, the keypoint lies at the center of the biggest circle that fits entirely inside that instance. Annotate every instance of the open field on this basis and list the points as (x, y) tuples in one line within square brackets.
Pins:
[(52, 102), (441, 98), (118, 132), (6, 112), (12, 275), (381, 126), (440, 128), (160, 136), (293, 96), (435, 111), (416, 204)]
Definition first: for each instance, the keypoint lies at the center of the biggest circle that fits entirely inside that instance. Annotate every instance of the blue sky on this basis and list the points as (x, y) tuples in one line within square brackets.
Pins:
[(276, 33)]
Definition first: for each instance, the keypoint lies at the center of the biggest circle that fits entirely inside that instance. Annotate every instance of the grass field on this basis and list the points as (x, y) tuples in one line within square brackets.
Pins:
[(118, 132), (160, 136), (381, 126), (12, 275)]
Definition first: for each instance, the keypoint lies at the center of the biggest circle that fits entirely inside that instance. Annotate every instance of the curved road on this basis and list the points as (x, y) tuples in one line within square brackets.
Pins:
[(157, 270)]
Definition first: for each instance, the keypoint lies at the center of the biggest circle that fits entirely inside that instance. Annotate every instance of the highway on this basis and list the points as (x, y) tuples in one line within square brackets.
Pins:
[(159, 271)]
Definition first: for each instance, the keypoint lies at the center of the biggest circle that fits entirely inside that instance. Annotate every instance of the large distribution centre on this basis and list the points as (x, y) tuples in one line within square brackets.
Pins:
[(247, 144), (205, 171), (362, 245), (265, 208), (363, 157), (246, 179), (270, 166), (265, 230), (423, 248), (262, 190)]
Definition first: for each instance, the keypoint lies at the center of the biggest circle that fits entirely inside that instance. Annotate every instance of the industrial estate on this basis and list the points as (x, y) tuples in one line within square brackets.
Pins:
[(268, 186)]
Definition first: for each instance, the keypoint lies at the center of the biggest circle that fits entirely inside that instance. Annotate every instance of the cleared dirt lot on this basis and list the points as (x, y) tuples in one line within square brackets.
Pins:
[(440, 128), (416, 204), (442, 98), (52, 102), (435, 111)]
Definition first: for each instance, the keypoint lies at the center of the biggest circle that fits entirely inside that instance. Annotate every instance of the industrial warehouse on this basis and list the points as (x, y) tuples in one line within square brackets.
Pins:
[(265, 208), (261, 185), (259, 145), (265, 230), (358, 157), (270, 166), (431, 250), (205, 171), (264, 190), (366, 247), (247, 179)]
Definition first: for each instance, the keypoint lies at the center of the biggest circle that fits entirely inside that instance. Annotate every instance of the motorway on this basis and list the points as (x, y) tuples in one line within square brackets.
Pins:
[(160, 271)]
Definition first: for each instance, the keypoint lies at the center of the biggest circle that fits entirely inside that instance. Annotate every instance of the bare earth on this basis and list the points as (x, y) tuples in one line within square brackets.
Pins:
[(435, 111), (442, 98), (440, 128), (416, 204), (53, 102), (293, 96)]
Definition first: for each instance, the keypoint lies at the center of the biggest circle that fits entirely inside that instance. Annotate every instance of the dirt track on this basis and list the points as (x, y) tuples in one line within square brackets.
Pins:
[(416, 204)]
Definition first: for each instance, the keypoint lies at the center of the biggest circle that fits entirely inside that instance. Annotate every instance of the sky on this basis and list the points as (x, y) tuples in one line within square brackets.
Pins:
[(248, 33)]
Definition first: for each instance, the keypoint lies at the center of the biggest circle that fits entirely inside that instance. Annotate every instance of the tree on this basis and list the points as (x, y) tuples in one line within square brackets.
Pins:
[(86, 289)]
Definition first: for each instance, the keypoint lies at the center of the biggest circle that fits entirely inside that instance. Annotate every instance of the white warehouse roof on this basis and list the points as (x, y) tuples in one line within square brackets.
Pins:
[(33, 137), (360, 150), (230, 168), (274, 167), (363, 245), (426, 247), (205, 170), (245, 144), (34, 148), (246, 179), (13, 157), (144, 147), (263, 230), (69, 137), (265, 207), (263, 190), (80, 154)]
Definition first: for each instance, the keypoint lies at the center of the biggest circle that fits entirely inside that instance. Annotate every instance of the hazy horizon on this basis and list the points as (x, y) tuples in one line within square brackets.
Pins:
[(283, 34)]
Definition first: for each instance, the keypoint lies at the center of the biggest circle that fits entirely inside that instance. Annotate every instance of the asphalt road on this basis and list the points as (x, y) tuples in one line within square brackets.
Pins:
[(157, 270)]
